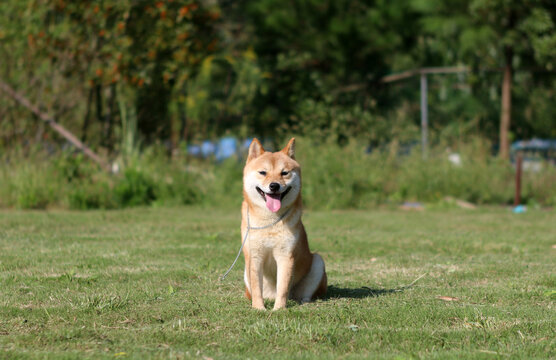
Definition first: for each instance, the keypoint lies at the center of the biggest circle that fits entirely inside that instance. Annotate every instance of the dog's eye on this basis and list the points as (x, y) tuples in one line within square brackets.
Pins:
[(263, 173), (284, 173)]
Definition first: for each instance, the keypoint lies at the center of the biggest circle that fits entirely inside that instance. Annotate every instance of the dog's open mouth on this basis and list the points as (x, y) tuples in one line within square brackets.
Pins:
[(273, 201)]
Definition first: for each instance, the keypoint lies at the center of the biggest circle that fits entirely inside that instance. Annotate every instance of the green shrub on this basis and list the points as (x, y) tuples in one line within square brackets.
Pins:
[(134, 188), (222, 183), (73, 167), (177, 187), (29, 186), (92, 195), (334, 177), (34, 197)]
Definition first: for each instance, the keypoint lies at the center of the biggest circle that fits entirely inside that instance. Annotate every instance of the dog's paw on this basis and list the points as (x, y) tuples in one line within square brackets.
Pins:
[(279, 304), (259, 307)]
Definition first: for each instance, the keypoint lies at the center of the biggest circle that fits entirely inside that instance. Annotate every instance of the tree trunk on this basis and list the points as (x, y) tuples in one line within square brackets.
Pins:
[(86, 121), (184, 123), (99, 110), (108, 122), (506, 113)]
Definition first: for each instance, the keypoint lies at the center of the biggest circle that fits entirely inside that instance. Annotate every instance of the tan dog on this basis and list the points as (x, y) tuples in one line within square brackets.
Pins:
[(278, 263)]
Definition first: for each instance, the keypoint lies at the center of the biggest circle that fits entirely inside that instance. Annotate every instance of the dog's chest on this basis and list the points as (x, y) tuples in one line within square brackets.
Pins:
[(279, 239)]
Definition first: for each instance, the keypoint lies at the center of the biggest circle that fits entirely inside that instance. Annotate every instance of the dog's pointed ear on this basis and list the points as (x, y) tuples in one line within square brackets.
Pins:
[(255, 150), (290, 148)]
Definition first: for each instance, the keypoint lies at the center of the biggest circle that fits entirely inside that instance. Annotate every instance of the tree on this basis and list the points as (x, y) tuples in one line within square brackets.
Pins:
[(491, 35), (94, 49), (324, 60)]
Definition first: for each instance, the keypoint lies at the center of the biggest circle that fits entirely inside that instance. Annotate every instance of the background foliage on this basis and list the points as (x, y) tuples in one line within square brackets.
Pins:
[(139, 80), (334, 177)]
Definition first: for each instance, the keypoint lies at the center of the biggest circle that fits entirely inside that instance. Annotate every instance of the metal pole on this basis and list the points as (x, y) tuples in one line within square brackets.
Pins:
[(424, 115)]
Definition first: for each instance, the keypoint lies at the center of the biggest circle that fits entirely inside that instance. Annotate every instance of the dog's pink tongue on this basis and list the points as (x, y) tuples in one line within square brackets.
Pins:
[(273, 202)]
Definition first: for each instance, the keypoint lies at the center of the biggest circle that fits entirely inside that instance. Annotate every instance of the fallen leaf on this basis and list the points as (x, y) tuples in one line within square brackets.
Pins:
[(373, 259), (447, 298)]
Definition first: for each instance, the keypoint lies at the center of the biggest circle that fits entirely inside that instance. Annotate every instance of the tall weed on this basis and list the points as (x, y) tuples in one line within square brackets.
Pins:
[(28, 185), (334, 177)]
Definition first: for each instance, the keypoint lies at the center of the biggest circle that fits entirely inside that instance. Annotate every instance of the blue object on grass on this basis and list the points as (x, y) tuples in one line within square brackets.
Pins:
[(227, 147), (221, 149), (194, 150), (207, 148), (246, 144), (519, 209)]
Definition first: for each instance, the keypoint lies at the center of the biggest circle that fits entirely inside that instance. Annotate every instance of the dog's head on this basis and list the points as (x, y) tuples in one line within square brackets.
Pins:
[(272, 180)]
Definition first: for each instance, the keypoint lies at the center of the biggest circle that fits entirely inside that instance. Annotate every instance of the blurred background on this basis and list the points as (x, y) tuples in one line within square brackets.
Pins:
[(116, 103)]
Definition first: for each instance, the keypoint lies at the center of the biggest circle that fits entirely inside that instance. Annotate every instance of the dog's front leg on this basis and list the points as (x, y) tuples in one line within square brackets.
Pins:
[(256, 281), (283, 282)]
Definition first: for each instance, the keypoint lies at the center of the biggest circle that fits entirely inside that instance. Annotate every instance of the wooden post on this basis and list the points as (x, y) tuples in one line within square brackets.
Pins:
[(518, 172), (424, 115), (506, 106), (57, 127)]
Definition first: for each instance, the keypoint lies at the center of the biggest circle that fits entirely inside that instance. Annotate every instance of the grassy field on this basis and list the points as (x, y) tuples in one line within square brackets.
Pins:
[(144, 283)]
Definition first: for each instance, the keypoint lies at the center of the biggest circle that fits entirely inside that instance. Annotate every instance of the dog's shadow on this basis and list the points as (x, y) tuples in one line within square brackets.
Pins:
[(335, 292)]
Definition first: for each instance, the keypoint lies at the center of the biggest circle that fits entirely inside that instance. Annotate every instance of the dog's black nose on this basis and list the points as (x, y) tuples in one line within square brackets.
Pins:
[(274, 187)]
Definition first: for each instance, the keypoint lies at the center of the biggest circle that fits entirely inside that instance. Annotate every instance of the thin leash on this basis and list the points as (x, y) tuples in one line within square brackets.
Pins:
[(249, 227)]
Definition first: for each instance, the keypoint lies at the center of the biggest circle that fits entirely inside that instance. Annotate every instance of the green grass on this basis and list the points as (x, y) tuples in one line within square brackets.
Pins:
[(143, 283)]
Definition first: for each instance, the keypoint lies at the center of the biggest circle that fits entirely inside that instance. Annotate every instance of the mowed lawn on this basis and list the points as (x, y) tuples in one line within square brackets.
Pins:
[(143, 283)]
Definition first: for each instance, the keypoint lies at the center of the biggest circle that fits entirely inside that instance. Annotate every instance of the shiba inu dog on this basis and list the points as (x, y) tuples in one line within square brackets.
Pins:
[(278, 263)]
